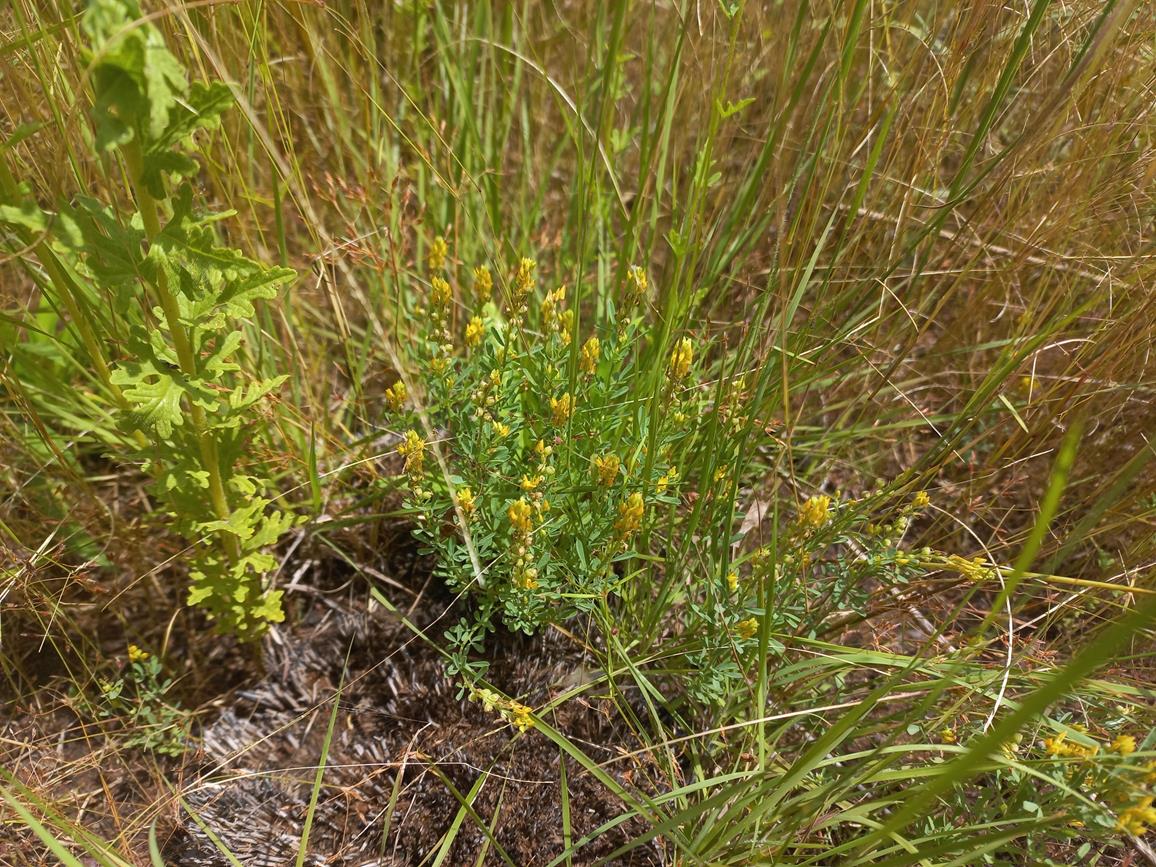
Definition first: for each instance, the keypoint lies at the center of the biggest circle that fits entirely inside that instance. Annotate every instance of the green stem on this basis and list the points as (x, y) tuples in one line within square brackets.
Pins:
[(206, 442)]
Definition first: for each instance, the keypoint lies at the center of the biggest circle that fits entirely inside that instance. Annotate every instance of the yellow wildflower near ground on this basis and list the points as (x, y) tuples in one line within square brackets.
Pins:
[(551, 309), (521, 517), (466, 501), (561, 408), (475, 330), (630, 513), (948, 736), (732, 581), (666, 479), (438, 250), (606, 469), (748, 628), (815, 511), (588, 360), (396, 395), (921, 500), (501, 429), (1125, 745), (413, 450), (530, 483), (135, 654), (1138, 818), (440, 293), (681, 358), (1062, 747), (520, 716), (523, 283), (483, 284), (636, 282)]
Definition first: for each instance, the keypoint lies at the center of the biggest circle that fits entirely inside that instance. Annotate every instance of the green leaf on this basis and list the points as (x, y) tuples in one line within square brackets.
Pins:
[(154, 394), (137, 81), (25, 216)]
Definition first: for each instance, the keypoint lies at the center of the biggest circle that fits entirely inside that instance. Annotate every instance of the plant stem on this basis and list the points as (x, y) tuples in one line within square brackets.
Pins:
[(206, 442)]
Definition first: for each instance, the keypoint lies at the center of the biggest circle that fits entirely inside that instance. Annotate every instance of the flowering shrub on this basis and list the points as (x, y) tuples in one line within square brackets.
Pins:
[(544, 479)]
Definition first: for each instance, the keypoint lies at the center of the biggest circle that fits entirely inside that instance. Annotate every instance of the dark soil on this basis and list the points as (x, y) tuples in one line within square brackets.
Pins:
[(406, 751)]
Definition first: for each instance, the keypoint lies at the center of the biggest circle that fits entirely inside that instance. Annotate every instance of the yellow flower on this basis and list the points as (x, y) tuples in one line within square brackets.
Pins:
[(395, 396), (921, 500), (135, 654), (636, 280), (747, 628), (1060, 746), (666, 479), (815, 511), (526, 579), (1125, 745), (502, 430), (551, 304), (561, 408), (948, 736), (466, 501), (590, 352), (521, 517), (732, 581), (606, 469), (520, 716), (474, 331), (440, 292), (524, 279), (681, 358), (437, 254), (483, 284), (530, 483), (1138, 818), (630, 513), (413, 450)]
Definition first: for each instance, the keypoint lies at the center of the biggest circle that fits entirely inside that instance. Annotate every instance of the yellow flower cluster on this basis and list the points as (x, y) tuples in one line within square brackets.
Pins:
[(588, 360), (630, 513), (515, 713), (561, 409), (552, 309), (815, 512), (974, 569), (921, 500), (748, 628), (1062, 747), (395, 396), (483, 284), (732, 581), (637, 283), (1138, 818), (520, 514), (438, 251), (948, 735), (1125, 745), (475, 330), (466, 501), (440, 293), (412, 449), (521, 517), (666, 480), (606, 469), (135, 654), (523, 283), (681, 358)]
